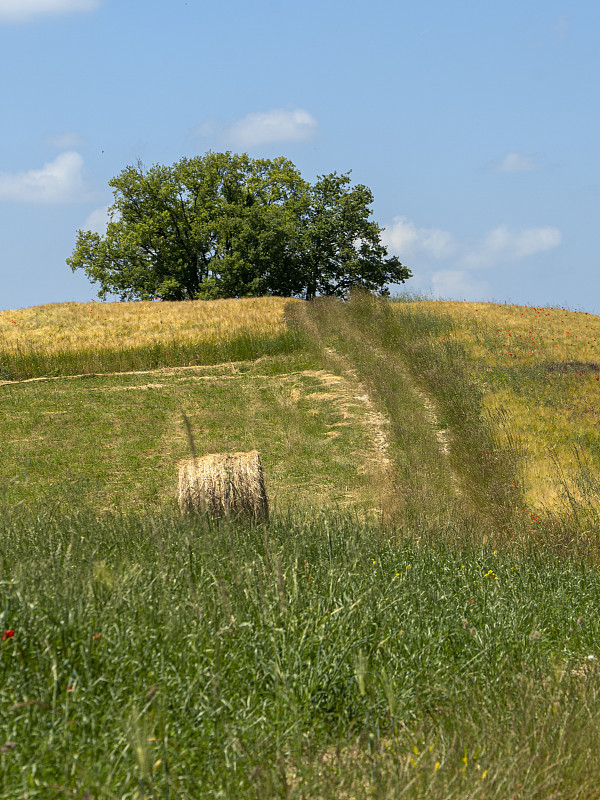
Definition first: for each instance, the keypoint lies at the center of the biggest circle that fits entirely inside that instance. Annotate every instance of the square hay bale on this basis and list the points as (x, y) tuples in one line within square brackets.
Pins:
[(224, 485)]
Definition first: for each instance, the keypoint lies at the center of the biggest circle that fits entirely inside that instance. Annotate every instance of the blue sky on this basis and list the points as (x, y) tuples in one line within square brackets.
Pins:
[(476, 125)]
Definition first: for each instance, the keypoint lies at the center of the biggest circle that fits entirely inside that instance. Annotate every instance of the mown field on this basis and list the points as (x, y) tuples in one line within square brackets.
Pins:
[(115, 440), (419, 618)]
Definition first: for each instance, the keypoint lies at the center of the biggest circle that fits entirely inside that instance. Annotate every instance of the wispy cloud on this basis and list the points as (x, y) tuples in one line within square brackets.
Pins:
[(58, 181), (503, 245), (450, 266), (98, 220), (25, 10), (406, 239), (500, 245), (515, 162), (68, 140), (457, 284), (276, 125), (562, 26)]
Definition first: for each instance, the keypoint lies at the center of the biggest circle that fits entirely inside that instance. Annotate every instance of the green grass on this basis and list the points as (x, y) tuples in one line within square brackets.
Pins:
[(446, 648), (396, 351), (318, 657), (115, 440)]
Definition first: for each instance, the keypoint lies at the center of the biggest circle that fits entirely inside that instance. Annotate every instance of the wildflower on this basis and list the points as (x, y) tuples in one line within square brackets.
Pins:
[(7, 635)]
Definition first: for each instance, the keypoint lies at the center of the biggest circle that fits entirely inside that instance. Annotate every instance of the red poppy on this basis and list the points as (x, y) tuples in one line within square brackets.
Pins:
[(7, 635)]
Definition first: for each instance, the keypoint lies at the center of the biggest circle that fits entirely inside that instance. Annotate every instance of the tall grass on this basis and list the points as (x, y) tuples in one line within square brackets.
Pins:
[(538, 370), (446, 452), (447, 650), (23, 363), (156, 657), (75, 326), (75, 338)]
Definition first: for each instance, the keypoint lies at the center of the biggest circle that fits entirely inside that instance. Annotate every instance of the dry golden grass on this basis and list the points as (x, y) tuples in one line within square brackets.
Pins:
[(527, 333), (540, 371), (59, 327), (224, 485)]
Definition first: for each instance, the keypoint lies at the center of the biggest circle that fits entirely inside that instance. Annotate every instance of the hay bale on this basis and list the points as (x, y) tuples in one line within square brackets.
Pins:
[(224, 485)]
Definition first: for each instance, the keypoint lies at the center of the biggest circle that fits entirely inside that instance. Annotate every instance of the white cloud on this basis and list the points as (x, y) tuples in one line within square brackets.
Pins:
[(277, 125), (516, 162), (454, 284), (503, 245), (68, 140), (25, 10), (58, 181), (210, 127), (97, 221), (407, 240), (443, 264)]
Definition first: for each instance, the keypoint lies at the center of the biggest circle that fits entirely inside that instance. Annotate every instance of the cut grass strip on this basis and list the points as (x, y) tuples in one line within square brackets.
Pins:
[(115, 440)]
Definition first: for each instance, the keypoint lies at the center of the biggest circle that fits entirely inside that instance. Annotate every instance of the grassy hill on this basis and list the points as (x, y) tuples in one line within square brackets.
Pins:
[(418, 619), (114, 437)]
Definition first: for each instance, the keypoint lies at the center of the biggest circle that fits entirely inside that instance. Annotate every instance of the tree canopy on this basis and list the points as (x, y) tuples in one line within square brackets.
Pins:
[(226, 225)]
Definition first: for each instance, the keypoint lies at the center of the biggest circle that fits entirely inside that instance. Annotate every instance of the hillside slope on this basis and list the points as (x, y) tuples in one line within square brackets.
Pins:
[(445, 646), (112, 439), (491, 407)]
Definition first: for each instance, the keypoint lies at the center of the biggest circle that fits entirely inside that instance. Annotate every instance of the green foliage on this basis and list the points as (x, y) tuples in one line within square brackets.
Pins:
[(226, 225)]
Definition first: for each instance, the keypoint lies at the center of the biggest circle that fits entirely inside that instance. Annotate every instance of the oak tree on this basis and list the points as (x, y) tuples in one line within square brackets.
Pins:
[(227, 225)]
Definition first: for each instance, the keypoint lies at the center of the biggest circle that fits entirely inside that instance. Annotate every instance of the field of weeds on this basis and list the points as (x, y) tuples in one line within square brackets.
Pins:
[(444, 646), (317, 657)]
